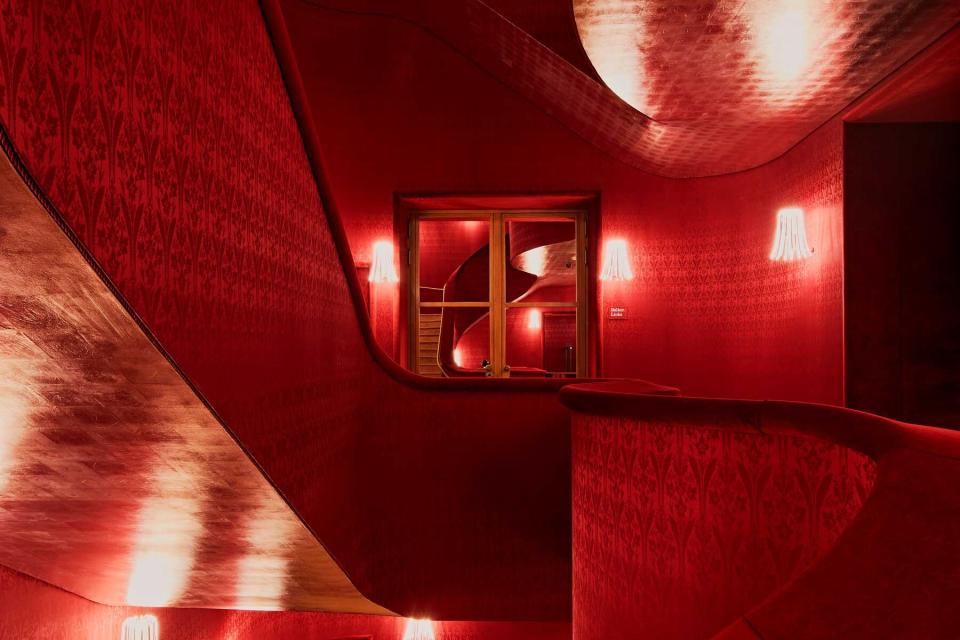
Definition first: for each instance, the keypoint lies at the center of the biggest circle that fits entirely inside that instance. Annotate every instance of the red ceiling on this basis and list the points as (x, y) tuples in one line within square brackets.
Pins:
[(698, 88), (927, 89), (551, 22)]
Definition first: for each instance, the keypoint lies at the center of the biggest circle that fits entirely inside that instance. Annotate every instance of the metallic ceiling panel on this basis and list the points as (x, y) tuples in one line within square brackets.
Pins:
[(749, 78), (116, 481), (690, 88)]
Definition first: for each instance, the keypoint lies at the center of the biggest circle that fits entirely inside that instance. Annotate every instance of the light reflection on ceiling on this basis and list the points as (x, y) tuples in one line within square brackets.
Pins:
[(168, 528), (553, 264), (14, 409), (116, 482), (266, 532), (734, 83), (688, 89)]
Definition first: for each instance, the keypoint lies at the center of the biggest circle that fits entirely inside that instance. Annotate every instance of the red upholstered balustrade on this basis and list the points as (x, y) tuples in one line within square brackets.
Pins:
[(163, 134), (784, 520)]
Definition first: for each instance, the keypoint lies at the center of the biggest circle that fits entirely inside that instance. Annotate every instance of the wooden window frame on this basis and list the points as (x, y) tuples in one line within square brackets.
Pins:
[(496, 304)]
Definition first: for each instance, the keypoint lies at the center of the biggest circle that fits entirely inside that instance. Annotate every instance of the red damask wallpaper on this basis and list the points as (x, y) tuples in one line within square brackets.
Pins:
[(708, 311), (163, 134), (681, 528)]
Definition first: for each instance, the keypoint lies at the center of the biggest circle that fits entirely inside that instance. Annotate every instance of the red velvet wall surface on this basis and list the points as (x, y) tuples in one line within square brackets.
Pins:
[(163, 133), (709, 310), (32, 609), (902, 270), (399, 111), (680, 527)]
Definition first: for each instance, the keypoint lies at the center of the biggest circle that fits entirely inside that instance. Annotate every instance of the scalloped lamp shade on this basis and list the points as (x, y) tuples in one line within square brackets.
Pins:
[(790, 238), (140, 628), (616, 264), (382, 268)]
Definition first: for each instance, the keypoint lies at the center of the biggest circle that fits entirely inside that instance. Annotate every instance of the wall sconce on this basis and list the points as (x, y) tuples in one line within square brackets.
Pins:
[(534, 319), (616, 264), (458, 357), (382, 268), (790, 238), (140, 628), (418, 629)]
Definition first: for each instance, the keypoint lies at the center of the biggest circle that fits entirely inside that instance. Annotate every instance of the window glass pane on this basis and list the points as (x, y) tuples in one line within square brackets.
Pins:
[(473, 342), (541, 342), (453, 341), (428, 343), (541, 259), (454, 259)]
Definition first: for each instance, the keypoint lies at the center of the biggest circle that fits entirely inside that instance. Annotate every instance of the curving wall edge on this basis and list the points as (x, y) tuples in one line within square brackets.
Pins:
[(798, 520), (171, 152)]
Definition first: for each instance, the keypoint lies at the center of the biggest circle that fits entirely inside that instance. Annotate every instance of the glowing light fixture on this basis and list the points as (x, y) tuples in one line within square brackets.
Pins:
[(790, 238), (382, 268), (616, 265), (140, 628), (418, 629), (534, 319), (458, 357)]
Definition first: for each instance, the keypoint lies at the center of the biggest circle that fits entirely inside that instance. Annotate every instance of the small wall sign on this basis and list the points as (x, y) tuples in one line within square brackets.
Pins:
[(617, 313)]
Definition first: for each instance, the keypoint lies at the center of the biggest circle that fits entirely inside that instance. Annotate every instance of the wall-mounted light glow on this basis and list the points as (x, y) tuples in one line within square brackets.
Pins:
[(616, 264), (382, 268), (140, 628), (790, 238), (534, 319), (418, 629), (458, 357)]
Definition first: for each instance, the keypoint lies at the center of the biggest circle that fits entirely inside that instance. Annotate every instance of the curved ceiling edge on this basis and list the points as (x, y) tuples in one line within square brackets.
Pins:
[(495, 44), (732, 107)]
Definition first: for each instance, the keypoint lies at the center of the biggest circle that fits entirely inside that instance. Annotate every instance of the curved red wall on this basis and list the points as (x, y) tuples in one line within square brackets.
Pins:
[(681, 527), (166, 140), (399, 111)]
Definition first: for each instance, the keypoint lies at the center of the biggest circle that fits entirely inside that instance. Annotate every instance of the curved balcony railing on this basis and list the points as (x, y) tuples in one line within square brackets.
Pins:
[(694, 517)]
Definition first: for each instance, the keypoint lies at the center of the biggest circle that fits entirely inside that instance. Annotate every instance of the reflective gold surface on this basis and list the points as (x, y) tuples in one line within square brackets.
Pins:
[(116, 482), (687, 88), (766, 65)]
